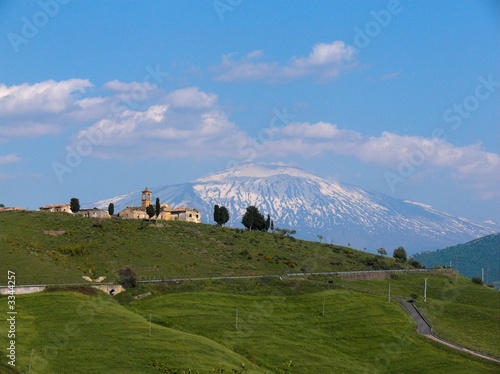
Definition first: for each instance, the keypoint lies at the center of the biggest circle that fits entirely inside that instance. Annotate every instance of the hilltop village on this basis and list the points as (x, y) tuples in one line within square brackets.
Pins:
[(166, 212)]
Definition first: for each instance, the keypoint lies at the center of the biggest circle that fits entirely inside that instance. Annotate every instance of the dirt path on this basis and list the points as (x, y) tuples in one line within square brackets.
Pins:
[(425, 328)]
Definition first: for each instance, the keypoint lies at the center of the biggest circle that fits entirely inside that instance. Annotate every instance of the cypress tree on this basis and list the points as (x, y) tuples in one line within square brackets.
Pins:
[(223, 215), (217, 214), (268, 223), (74, 205), (157, 207)]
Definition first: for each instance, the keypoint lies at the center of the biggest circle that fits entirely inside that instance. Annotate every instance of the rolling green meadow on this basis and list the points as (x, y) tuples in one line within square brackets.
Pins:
[(296, 324), (55, 248)]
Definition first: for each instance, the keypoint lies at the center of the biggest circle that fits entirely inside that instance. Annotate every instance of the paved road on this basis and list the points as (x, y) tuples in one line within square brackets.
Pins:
[(424, 328)]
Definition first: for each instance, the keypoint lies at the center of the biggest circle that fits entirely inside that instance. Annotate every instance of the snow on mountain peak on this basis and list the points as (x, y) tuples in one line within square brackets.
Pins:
[(315, 206), (251, 170)]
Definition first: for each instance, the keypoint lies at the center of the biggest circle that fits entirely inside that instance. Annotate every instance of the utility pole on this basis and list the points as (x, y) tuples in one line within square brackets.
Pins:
[(236, 324), (31, 359), (425, 291), (150, 325)]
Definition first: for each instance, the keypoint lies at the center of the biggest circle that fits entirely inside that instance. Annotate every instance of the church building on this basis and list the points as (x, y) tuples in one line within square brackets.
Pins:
[(166, 212)]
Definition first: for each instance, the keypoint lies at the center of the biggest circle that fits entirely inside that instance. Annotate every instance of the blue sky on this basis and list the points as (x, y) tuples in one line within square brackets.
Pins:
[(99, 98)]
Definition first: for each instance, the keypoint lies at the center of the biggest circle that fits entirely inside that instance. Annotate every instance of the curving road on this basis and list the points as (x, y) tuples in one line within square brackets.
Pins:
[(425, 328)]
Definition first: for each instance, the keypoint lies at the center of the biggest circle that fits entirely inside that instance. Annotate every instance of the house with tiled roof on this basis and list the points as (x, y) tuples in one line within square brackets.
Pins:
[(65, 208), (166, 212)]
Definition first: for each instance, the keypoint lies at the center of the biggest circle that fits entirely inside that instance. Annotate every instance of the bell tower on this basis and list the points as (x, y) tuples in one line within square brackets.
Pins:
[(146, 198)]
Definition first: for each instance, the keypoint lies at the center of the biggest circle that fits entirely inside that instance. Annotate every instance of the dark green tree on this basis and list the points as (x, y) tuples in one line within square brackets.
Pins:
[(74, 205), (253, 219), (382, 251), (111, 209), (157, 207), (2, 206), (400, 254), (268, 223), (151, 211), (128, 278), (217, 214), (223, 215)]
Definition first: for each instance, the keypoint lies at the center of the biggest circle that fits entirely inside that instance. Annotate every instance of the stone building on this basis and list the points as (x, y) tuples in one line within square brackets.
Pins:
[(132, 212), (186, 214), (65, 208), (166, 212), (10, 209), (94, 213)]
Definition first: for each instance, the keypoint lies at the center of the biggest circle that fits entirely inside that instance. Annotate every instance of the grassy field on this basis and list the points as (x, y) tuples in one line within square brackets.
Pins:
[(75, 333), (60, 248), (459, 310), (345, 326), (317, 324)]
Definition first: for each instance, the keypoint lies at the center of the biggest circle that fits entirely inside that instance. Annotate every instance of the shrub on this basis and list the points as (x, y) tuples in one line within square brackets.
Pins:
[(415, 264), (400, 254), (477, 280), (127, 278)]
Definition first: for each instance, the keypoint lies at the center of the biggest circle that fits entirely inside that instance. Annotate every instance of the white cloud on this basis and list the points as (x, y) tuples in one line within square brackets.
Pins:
[(118, 86), (44, 97), (191, 98), (306, 130), (326, 61), (156, 112), (163, 131), (10, 159), (471, 164), (121, 127), (27, 129)]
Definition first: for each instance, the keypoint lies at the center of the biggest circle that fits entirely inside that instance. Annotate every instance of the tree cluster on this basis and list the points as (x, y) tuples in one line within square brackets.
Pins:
[(254, 220)]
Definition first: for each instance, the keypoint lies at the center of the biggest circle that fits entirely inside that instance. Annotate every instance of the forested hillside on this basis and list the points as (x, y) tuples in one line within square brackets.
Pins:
[(472, 258)]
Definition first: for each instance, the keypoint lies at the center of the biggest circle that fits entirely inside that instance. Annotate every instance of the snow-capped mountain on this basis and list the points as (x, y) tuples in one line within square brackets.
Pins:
[(316, 207)]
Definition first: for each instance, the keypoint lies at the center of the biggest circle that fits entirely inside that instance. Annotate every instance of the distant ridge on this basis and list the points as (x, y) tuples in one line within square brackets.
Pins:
[(479, 257), (317, 208)]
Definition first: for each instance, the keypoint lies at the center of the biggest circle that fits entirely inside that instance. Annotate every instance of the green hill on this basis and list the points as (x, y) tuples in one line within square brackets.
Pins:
[(315, 324), (472, 257), (61, 248)]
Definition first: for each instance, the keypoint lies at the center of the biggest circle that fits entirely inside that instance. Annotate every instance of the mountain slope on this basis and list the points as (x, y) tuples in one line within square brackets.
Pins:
[(472, 257), (340, 213)]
